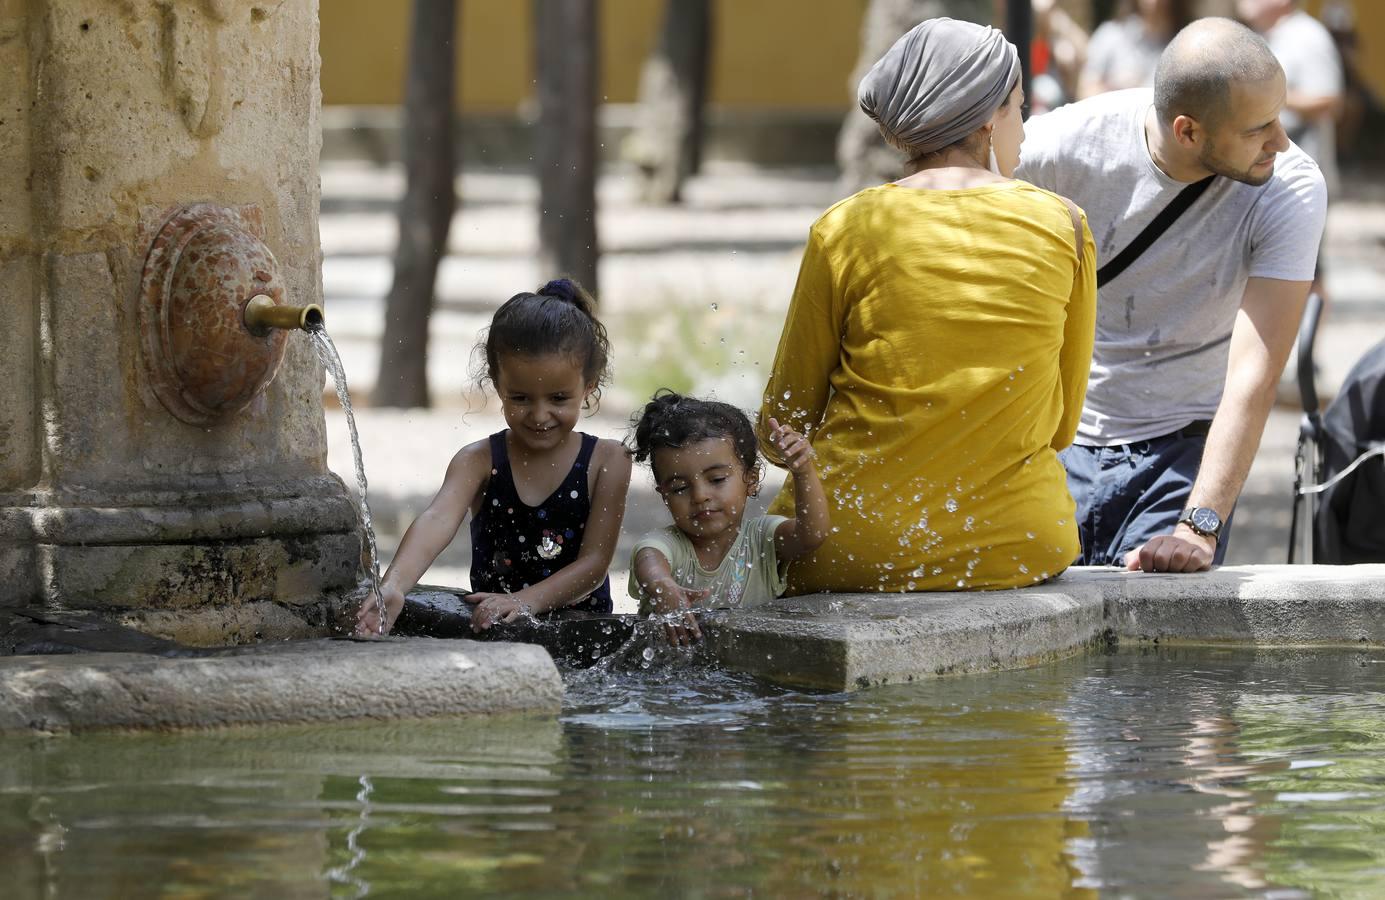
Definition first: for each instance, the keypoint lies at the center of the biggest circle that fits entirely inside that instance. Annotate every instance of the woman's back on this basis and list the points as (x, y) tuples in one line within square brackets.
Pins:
[(943, 338)]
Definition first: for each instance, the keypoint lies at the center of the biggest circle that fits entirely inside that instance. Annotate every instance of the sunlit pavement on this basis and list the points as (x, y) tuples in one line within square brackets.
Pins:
[(695, 293)]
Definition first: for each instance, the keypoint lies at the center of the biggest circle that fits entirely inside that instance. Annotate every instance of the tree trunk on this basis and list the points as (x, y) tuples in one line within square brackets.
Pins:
[(667, 142), (862, 154), (425, 212), (566, 62)]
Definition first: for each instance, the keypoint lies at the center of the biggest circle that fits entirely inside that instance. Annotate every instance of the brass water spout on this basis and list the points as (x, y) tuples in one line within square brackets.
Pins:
[(262, 314)]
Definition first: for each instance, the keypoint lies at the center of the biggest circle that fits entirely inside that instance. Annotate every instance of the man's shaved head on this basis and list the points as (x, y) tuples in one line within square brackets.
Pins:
[(1202, 62)]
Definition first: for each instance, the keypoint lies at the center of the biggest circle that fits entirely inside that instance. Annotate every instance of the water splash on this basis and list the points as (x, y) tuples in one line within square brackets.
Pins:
[(331, 360)]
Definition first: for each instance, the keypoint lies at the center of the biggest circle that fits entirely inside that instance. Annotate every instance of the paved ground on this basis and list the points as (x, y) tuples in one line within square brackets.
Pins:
[(694, 297)]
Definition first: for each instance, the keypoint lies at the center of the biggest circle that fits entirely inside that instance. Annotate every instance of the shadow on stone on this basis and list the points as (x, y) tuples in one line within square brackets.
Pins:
[(575, 637), (25, 632)]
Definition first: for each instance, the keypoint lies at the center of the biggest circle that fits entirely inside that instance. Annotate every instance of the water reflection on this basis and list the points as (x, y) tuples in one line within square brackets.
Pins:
[(1170, 774), (1181, 762)]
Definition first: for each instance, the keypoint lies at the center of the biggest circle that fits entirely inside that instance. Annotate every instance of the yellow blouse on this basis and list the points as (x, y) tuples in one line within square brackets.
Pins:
[(936, 352)]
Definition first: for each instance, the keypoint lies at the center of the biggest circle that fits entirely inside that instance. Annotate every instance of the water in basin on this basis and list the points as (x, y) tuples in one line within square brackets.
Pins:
[(1195, 772)]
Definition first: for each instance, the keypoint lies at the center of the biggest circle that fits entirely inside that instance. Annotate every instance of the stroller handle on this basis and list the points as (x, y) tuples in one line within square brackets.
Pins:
[(1307, 333)]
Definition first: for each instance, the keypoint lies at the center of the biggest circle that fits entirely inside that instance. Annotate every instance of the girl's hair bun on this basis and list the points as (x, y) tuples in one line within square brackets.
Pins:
[(563, 289)]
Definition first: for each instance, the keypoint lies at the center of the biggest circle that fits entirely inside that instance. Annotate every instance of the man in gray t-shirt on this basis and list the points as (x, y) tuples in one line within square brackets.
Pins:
[(1192, 336)]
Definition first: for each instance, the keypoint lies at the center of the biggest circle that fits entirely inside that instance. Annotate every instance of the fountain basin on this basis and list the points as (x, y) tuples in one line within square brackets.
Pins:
[(834, 643)]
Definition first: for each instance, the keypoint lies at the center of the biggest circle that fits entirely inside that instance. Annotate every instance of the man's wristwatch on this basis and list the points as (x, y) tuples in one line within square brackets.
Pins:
[(1203, 520)]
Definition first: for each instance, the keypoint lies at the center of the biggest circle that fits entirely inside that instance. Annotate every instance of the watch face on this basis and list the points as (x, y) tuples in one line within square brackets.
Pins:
[(1205, 520)]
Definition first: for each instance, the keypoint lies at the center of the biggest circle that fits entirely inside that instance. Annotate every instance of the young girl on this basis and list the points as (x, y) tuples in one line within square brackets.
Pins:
[(705, 464), (546, 502)]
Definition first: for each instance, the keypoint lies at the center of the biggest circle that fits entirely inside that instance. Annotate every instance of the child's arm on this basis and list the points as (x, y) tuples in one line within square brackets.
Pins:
[(428, 536), (579, 578), (811, 523), (667, 596)]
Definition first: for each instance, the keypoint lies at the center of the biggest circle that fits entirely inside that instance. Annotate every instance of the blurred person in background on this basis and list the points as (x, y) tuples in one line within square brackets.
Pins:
[(1312, 75), (1057, 53), (1124, 50), (1358, 99)]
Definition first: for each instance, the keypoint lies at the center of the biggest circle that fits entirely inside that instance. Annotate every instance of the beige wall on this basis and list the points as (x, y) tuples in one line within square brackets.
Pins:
[(769, 53)]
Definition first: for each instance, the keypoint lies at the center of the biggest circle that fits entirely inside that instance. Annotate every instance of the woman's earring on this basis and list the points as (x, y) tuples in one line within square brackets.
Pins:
[(992, 163)]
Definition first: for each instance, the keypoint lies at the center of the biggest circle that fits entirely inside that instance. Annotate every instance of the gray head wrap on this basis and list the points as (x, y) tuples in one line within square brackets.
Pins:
[(940, 82)]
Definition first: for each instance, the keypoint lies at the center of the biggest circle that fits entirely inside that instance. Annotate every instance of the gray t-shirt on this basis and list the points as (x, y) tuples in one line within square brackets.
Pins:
[(1164, 325)]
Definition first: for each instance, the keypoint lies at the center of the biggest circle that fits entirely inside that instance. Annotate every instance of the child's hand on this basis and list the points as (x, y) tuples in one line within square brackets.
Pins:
[(368, 616), (793, 447), (670, 598), (492, 608)]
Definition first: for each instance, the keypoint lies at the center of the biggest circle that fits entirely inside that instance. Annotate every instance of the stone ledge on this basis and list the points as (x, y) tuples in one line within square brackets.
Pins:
[(1270, 605), (316, 681), (847, 641), (842, 642)]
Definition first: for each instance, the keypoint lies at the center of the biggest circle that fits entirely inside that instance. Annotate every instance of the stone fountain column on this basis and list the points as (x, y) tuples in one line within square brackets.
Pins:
[(145, 469)]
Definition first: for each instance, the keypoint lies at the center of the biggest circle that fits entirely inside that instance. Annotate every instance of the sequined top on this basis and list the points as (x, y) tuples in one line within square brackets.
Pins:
[(514, 545)]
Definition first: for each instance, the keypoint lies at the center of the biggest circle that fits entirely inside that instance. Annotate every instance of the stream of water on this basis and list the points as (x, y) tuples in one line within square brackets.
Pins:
[(331, 360)]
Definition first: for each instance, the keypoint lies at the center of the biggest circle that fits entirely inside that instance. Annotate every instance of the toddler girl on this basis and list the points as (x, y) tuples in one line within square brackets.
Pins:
[(546, 501), (703, 456)]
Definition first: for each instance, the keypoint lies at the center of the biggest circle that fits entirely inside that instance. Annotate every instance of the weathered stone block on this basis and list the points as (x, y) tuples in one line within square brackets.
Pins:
[(283, 569), (19, 442), (18, 574), (317, 681)]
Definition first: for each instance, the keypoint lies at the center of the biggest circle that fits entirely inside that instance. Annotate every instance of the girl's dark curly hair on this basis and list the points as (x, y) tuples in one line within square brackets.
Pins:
[(672, 420), (559, 318)]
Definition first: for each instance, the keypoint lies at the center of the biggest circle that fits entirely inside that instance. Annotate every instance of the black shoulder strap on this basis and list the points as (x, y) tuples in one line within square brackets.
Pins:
[(1161, 223)]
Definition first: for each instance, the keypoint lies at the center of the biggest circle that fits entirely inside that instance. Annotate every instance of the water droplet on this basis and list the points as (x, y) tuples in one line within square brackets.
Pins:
[(714, 307), (788, 394), (648, 653), (950, 505), (1024, 569), (573, 495), (1029, 534)]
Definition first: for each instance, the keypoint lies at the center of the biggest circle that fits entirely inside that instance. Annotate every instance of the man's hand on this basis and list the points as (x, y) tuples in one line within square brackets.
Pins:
[(1183, 551)]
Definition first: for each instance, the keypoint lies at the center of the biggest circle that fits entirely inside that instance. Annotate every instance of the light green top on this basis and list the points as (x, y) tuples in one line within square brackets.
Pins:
[(749, 575)]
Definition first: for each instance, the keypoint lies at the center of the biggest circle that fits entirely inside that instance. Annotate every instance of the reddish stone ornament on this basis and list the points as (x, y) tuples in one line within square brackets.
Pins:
[(204, 266)]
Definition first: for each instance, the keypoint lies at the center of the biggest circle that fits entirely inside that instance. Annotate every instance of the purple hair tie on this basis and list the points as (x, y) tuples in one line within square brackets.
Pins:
[(561, 288)]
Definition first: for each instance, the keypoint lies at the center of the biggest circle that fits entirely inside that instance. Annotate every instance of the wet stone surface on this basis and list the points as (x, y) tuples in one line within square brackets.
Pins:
[(574, 637)]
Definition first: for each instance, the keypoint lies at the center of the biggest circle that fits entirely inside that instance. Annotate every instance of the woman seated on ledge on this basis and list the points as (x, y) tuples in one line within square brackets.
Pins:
[(938, 340)]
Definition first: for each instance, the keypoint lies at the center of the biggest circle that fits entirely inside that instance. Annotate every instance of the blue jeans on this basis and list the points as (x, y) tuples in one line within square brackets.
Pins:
[(1130, 493)]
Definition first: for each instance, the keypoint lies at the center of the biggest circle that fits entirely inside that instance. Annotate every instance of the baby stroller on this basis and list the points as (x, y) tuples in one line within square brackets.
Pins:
[(1339, 469)]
